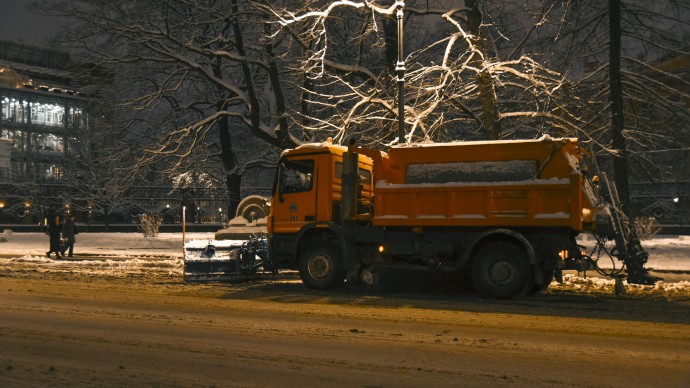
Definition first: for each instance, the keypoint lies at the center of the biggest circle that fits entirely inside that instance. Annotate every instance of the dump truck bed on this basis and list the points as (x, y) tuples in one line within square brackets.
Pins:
[(530, 183), (529, 204)]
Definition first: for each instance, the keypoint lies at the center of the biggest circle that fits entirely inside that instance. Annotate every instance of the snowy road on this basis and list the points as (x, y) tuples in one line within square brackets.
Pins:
[(131, 255), (120, 315), (61, 328)]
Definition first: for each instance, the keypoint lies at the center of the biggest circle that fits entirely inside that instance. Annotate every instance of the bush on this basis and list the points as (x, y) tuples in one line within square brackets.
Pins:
[(150, 224), (646, 227)]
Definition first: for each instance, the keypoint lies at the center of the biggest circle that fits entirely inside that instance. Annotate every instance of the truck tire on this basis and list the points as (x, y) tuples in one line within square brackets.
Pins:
[(546, 282), (501, 270), (320, 267)]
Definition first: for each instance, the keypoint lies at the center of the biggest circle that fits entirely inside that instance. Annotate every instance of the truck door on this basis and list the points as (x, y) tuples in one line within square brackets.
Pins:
[(294, 201)]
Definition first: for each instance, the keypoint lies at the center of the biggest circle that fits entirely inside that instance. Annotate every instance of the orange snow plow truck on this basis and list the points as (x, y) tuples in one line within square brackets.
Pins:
[(506, 212)]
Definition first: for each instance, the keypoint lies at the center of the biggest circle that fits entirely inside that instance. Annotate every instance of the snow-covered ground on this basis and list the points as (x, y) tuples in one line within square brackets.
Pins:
[(99, 254), (127, 254), (666, 253), (97, 244)]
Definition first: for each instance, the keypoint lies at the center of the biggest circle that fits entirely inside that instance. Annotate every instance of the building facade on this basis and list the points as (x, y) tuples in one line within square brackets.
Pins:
[(42, 113), (44, 122)]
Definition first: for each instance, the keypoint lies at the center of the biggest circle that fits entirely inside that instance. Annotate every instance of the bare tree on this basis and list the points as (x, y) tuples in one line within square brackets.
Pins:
[(97, 167), (195, 71), (191, 72), (620, 57), (601, 71)]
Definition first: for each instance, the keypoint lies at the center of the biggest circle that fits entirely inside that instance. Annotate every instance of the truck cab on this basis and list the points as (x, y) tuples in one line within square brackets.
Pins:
[(307, 203)]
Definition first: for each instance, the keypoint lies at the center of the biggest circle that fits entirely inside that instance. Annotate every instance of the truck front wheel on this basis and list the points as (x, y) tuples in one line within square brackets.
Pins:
[(501, 270), (320, 267)]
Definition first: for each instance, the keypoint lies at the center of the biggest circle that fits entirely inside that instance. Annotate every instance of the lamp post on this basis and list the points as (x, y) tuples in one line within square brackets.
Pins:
[(400, 72)]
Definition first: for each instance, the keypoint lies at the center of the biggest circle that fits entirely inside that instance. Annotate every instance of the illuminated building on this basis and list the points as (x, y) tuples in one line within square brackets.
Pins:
[(42, 113), (44, 121)]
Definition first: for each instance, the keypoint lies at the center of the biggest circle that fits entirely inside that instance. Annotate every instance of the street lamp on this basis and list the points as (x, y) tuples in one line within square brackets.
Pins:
[(400, 72)]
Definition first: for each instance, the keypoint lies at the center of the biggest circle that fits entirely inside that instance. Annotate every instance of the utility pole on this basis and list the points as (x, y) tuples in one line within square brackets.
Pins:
[(400, 72)]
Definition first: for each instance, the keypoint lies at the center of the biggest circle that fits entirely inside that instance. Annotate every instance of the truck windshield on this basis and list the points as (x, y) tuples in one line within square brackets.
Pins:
[(296, 176)]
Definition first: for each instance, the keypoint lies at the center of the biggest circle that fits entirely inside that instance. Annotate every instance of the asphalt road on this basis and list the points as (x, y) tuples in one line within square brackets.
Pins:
[(61, 328)]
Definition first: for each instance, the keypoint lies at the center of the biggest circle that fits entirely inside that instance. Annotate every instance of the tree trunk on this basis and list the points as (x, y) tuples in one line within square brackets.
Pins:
[(106, 217), (274, 76), (620, 163), (485, 84), (233, 182), (233, 177), (305, 107), (390, 39)]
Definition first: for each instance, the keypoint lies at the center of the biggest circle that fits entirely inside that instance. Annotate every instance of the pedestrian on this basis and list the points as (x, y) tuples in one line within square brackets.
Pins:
[(54, 230), (69, 229)]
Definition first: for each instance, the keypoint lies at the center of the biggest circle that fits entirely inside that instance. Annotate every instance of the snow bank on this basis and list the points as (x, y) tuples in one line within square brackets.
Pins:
[(108, 267), (666, 253), (173, 269), (98, 244), (595, 285), (132, 255)]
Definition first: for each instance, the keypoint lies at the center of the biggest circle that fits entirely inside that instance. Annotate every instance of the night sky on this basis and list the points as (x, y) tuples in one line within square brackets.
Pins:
[(19, 24)]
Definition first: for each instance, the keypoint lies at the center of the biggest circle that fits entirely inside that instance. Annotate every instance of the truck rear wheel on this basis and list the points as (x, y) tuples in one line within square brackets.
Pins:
[(546, 282), (320, 267), (501, 270)]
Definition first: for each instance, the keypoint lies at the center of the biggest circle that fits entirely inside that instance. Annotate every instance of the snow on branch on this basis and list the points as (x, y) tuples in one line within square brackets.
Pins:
[(449, 78), (313, 28)]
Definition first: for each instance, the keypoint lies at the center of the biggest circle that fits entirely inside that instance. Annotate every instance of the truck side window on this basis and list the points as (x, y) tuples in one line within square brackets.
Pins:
[(364, 175), (297, 176)]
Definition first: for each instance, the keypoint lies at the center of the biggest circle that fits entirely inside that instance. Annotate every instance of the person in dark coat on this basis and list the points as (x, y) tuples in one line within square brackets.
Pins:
[(54, 230), (68, 232)]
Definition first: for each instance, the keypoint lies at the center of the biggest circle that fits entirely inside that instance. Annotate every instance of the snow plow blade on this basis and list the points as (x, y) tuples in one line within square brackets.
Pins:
[(211, 260), (224, 260)]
